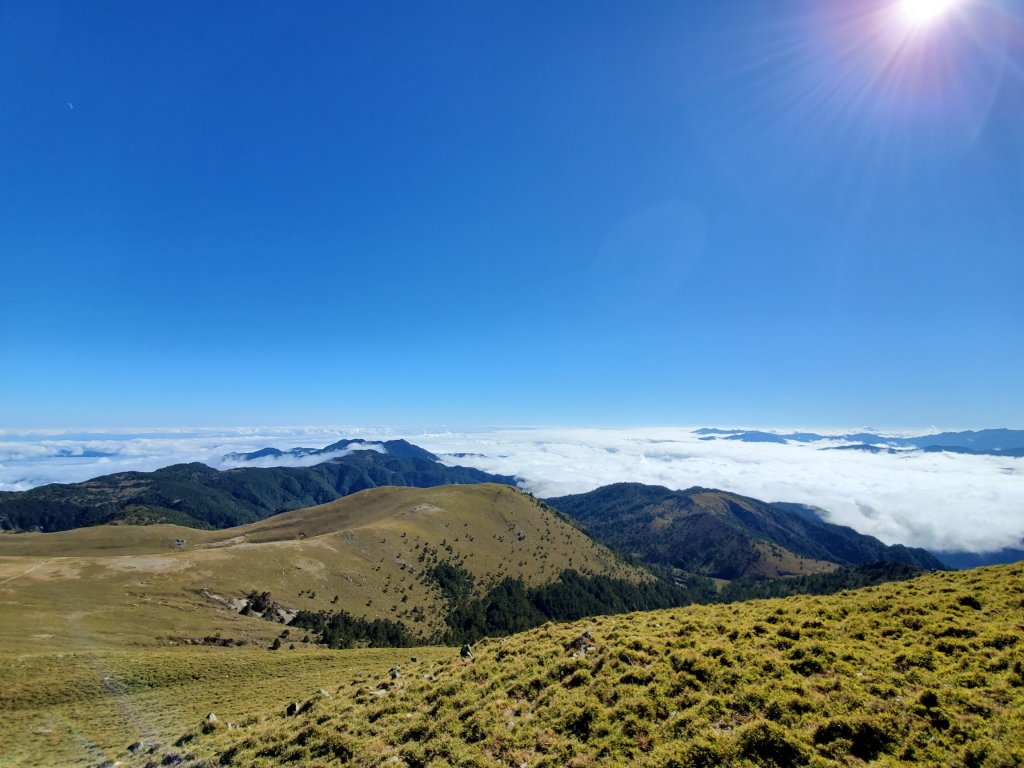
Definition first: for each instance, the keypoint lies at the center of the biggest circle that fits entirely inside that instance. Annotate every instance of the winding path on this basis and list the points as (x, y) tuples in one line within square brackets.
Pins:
[(27, 570)]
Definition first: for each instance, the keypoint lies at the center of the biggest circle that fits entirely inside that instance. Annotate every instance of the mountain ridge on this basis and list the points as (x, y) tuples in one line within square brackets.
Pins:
[(401, 448), (199, 496), (724, 535)]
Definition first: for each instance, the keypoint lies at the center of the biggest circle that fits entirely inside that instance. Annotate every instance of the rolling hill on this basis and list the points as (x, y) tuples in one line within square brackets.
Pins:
[(199, 496), (922, 673), (386, 554), (724, 535)]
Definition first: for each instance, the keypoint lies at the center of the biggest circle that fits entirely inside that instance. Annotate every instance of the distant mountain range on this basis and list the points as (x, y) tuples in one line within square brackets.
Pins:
[(724, 535), (199, 496), (700, 531), (993, 442), (400, 448)]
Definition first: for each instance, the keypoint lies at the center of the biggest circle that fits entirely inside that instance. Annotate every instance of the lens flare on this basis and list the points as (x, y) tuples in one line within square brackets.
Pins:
[(921, 13)]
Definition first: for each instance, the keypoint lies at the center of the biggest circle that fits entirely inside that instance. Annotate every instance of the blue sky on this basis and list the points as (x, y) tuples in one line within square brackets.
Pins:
[(526, 213)]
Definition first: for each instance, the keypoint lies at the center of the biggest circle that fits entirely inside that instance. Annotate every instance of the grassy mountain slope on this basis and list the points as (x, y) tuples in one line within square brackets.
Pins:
[(924, 672), (368, 553), (722, 534), (198, 495), (80, 708)]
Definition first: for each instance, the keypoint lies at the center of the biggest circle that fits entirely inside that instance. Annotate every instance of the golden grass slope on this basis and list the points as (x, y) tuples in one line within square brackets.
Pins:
[(116, 587), (925, 672)]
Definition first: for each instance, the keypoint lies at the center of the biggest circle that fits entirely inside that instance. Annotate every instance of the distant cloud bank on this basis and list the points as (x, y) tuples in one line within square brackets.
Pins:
[(941, 501)]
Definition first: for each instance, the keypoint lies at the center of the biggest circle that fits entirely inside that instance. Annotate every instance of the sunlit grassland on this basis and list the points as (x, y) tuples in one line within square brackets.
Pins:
[(924, 672)]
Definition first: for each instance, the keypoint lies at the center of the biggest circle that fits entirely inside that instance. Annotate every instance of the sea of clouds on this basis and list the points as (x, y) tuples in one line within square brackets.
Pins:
[(941, 501)]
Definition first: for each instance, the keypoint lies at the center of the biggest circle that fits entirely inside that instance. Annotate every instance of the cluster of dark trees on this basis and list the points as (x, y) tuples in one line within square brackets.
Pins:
[(341, 629), (511, 606), (853, 577)]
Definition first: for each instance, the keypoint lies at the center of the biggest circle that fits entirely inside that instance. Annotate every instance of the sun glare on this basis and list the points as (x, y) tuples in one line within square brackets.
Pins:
[(921, 13)]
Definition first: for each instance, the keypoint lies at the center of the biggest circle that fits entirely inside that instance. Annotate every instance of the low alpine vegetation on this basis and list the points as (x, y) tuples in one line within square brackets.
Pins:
[(928, 671)]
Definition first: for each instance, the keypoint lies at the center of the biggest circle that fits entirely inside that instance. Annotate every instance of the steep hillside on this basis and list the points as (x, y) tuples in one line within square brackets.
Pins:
[(200, 496), (926, 672), (724, 535), (374, 555)]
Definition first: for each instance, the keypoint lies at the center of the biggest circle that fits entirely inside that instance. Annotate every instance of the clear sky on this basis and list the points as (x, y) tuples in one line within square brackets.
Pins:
[(740, 212)]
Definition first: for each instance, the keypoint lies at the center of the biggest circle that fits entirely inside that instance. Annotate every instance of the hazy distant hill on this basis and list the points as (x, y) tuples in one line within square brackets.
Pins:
[(994, 442), (976, 559), (724, 535), (200, 496), (1014, 452)]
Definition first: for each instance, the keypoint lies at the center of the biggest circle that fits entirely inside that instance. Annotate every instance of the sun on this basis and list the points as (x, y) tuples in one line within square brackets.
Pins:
[(922, 13)]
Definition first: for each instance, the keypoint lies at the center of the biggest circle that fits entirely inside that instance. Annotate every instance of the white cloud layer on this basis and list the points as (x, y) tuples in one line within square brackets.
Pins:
[(29, 459), (941, 501)]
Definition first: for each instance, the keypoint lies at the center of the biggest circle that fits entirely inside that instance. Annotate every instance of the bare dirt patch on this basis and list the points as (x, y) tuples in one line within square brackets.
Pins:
[(147, 563), (233, 541), (426, 507)]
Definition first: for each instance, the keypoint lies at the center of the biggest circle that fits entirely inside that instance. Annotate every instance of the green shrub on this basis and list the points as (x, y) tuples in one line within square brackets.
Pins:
[(864, 739), (768, 744), (699, 753)]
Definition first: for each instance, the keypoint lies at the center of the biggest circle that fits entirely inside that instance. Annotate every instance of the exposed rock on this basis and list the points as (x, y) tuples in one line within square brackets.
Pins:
[(581, 642), (143, 745), (211, 718), (324, 694), (394, 673), (284, 615), (466, 652), (292, 709)]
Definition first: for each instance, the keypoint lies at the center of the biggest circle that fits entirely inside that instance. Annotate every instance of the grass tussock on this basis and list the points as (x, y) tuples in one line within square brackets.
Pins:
[(924, 672)]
